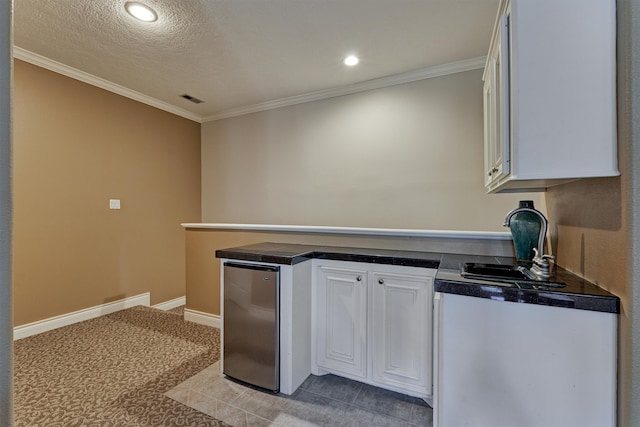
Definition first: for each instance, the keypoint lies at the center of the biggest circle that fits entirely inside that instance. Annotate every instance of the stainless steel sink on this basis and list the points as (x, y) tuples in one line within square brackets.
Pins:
[(515, 274)]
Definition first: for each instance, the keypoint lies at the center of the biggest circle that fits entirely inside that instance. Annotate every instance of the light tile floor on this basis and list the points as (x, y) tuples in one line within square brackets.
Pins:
[(320, 401)]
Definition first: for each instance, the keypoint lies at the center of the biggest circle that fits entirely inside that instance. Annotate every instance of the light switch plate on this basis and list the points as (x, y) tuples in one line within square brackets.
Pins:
[(114, 203)]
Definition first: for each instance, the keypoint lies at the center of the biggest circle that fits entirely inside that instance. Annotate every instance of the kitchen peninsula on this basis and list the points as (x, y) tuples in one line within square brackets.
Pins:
[(404, 314)]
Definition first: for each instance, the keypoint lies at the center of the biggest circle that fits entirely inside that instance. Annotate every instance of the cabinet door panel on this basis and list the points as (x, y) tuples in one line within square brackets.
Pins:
[(496, 107), (503, 160), (401, 331), (341, 325), (489, 126)]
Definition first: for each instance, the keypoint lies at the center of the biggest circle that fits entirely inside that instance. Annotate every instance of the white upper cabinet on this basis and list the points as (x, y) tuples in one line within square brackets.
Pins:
[(550, 94)]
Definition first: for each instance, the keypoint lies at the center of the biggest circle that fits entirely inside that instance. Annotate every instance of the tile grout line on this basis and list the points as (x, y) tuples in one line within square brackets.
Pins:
[(413, 408), (355, 398), (363, 408), (350, 403), (241, 409)]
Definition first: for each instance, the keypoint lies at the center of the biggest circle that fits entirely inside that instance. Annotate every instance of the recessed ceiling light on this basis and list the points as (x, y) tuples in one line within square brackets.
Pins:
[(141, 11), (351, 60)]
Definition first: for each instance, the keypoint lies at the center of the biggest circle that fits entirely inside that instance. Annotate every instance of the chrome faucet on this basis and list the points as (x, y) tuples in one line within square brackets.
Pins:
[(541, 264)]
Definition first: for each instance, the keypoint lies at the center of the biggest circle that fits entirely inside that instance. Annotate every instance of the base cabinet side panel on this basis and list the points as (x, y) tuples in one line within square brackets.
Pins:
[(502, 364)]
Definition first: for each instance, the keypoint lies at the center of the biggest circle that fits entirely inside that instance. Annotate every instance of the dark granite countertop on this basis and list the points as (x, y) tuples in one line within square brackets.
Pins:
[(275, 253), (578, 293), (290, 254)]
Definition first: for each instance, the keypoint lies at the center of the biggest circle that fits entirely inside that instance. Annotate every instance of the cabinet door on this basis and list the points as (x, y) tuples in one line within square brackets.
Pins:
[(490, 119), (341, 320), (401, 331), (496, 107)]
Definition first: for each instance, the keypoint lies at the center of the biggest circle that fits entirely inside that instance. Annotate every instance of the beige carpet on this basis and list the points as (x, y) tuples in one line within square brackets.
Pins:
[(112, 371)]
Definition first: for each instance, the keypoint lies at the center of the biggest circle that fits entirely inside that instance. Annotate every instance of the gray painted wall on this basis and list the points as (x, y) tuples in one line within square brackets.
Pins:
[(6, 321), (629, 125), (404, 156)]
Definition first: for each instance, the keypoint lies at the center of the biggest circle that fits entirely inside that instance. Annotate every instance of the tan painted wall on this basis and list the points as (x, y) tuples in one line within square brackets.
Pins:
[(203, 269), (589, 231), (75, 147), (406, 156)]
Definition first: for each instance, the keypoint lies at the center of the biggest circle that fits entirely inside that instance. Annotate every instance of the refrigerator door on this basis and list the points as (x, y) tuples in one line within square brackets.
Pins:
[(251, 324)]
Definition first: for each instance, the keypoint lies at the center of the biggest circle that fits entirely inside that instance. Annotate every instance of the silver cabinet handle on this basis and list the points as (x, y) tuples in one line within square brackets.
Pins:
[(359, 278), (381, 281)]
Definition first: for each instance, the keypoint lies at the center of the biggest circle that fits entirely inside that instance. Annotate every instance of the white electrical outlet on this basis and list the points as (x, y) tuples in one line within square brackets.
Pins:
[(114, 203)]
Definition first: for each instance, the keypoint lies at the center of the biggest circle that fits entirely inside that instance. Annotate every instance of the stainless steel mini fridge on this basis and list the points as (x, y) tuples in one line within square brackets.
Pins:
[(251, 325)]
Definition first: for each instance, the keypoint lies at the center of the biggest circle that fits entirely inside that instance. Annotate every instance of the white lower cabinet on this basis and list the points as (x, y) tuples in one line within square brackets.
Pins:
[(341, 299), (373, 323), (401, 319)]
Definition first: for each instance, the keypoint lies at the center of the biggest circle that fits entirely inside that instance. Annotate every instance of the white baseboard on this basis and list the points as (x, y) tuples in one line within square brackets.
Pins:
[(51, 323), (168, 305), (202, 318)]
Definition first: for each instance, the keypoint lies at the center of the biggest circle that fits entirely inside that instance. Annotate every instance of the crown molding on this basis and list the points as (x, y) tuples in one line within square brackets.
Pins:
[(396, 79), (65, 70)]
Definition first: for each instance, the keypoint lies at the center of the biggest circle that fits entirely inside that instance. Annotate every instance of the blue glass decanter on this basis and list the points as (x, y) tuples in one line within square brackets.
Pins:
[(525, 231)]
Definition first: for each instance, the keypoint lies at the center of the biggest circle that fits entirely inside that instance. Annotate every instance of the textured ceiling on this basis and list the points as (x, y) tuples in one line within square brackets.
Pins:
[(238, 53)]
